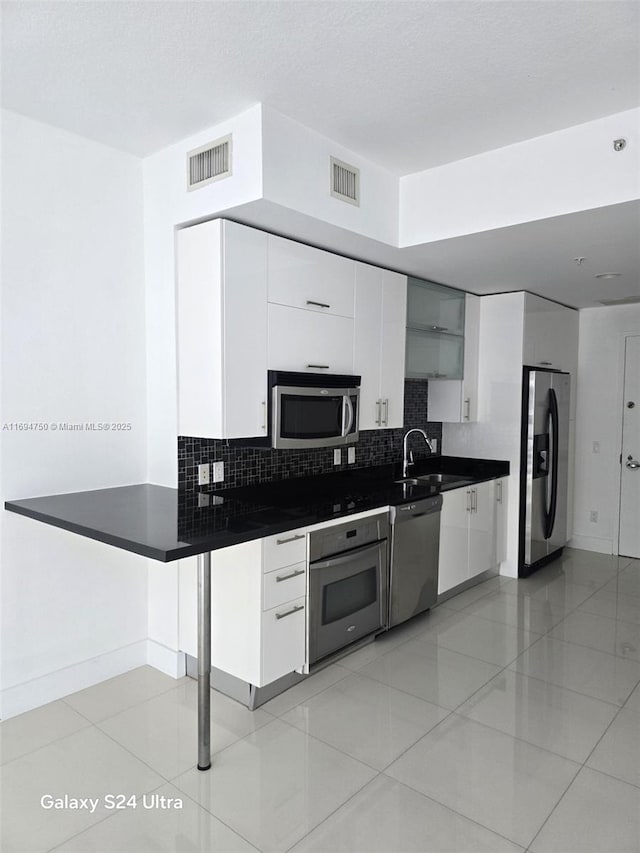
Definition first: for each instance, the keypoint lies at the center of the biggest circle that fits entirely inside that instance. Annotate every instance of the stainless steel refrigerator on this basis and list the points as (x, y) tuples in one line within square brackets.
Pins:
[(544, 467)]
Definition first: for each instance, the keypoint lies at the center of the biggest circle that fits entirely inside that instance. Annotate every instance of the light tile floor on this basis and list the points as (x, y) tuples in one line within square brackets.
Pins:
[(507, 719)]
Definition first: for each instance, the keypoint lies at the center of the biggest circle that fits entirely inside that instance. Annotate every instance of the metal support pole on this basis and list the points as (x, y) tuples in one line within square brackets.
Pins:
[(204, 661)]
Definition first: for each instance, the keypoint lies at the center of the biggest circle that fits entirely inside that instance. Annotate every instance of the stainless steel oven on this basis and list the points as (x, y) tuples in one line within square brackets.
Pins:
[(313, 409), (347, 584)]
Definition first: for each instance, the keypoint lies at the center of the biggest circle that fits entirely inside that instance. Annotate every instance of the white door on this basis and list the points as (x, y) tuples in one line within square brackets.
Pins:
[(629, 542), (482, 529), (453, 563)]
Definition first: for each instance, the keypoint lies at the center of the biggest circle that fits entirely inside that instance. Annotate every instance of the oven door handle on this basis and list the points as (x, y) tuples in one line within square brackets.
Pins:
[(347, 415), (346, 556)]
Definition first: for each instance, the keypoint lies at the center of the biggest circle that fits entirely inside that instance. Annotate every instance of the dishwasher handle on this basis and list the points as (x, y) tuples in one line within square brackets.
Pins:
[(406, 512)]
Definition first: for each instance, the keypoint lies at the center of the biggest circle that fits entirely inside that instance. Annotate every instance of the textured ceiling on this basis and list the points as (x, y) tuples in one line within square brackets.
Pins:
[(407, 84)]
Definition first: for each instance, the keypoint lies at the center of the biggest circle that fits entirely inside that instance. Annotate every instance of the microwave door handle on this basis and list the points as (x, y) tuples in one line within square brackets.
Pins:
[(347, 410)]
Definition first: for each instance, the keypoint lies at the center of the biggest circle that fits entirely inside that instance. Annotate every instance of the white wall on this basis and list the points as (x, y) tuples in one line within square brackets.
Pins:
[(599, 418), (563, 172), (73, 350), (297, 176)]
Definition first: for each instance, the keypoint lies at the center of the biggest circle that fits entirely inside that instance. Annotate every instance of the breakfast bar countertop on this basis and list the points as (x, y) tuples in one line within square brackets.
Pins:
[(166, 524)]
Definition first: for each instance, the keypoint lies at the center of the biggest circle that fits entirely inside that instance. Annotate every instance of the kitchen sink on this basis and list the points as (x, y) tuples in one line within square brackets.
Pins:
[(442, 478), (434, 480)]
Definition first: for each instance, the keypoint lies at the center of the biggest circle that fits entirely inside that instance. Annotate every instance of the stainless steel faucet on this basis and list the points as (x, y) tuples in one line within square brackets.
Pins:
[(406, 461)]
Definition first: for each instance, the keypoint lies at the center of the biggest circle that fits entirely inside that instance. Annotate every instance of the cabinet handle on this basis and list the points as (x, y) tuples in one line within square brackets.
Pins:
[(290, 612), (467, 409), (319, 366), (264, 416), (499, 494), (474, 500), (290, 539), (385, 420), (468, 500), (546, 363), (439, 329), (280, 578), (319, 304), (379, 412)]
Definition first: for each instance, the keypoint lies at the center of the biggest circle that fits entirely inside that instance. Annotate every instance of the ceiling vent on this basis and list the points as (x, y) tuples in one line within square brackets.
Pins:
[(211, 162), (345, 181), (626, 300)]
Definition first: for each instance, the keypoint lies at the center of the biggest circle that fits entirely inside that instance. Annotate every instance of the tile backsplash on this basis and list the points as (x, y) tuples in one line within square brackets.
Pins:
[(246, 465)]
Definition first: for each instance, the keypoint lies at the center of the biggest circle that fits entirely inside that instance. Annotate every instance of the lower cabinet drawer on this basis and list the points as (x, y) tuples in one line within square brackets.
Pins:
[(284, 585), (283, 640), (284, 549)]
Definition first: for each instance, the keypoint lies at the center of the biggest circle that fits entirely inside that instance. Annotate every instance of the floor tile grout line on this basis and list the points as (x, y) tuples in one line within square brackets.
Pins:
[(128, 707), (452, 810), (553, 810)]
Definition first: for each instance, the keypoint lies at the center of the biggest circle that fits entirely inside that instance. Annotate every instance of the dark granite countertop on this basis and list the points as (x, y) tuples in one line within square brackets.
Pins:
[(165, 524)]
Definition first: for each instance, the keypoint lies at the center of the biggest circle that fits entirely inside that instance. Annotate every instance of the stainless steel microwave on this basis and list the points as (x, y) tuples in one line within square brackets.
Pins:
[(313, 409)]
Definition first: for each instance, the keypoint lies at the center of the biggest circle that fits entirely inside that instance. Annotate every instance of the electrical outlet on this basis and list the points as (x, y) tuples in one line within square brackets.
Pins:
[(596, 447), (593, 516), (203, 475), (337, 456), (218, 472), (351, 455), (203, 499)]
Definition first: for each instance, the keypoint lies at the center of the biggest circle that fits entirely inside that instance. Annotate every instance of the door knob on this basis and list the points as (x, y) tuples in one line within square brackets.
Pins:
[(632, 463)]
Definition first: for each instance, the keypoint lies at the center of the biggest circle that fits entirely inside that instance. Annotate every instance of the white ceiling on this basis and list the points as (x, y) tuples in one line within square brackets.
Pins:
[(407, 84)]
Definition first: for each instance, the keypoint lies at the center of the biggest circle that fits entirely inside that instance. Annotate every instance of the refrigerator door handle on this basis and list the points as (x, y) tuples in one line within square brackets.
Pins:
[(550, 513)]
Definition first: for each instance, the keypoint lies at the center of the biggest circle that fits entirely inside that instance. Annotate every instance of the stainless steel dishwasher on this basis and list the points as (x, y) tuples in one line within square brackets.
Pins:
[(415, 548)]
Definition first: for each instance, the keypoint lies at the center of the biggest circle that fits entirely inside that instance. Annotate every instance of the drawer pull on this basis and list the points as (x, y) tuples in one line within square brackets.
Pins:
[(319, 366), (439, 329), (290, 612), (290, 539), (280, 578), (319, 304), (546, 363)]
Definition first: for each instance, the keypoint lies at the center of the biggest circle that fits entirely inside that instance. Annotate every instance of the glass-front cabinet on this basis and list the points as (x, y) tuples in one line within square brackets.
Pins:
[(435, 331)]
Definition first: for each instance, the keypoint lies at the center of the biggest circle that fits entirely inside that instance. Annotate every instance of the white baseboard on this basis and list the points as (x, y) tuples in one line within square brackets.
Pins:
[(39, 691), (166, 660), (591, 543)]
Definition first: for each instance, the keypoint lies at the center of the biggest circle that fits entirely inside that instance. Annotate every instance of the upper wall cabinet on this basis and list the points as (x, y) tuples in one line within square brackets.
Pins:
[(435, 331), (456, 400), (221, 330), (551, 338), (379, 345), (303, 277), (311, 308)]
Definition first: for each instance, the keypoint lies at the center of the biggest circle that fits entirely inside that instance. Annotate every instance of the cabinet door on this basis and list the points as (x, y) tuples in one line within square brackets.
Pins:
[(434, 306), (305, 341), (482, 529), (453, 563), (303, 277), (469, 396), (283, 640), (392, 367), (244, 332), (501, 486), (367, 348)]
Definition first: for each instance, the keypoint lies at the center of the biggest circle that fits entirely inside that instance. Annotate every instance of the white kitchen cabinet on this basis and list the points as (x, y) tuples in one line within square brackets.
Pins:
[(456, 400), (305, 341), (258, 608), (304, 277), (551, 338), (221, 330), (379, 345), (501, 495), (467, 534)]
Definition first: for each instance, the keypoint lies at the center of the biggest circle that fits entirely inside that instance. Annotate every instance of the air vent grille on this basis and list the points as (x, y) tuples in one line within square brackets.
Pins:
[(345, 181), (211, 162), (625, 300)]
